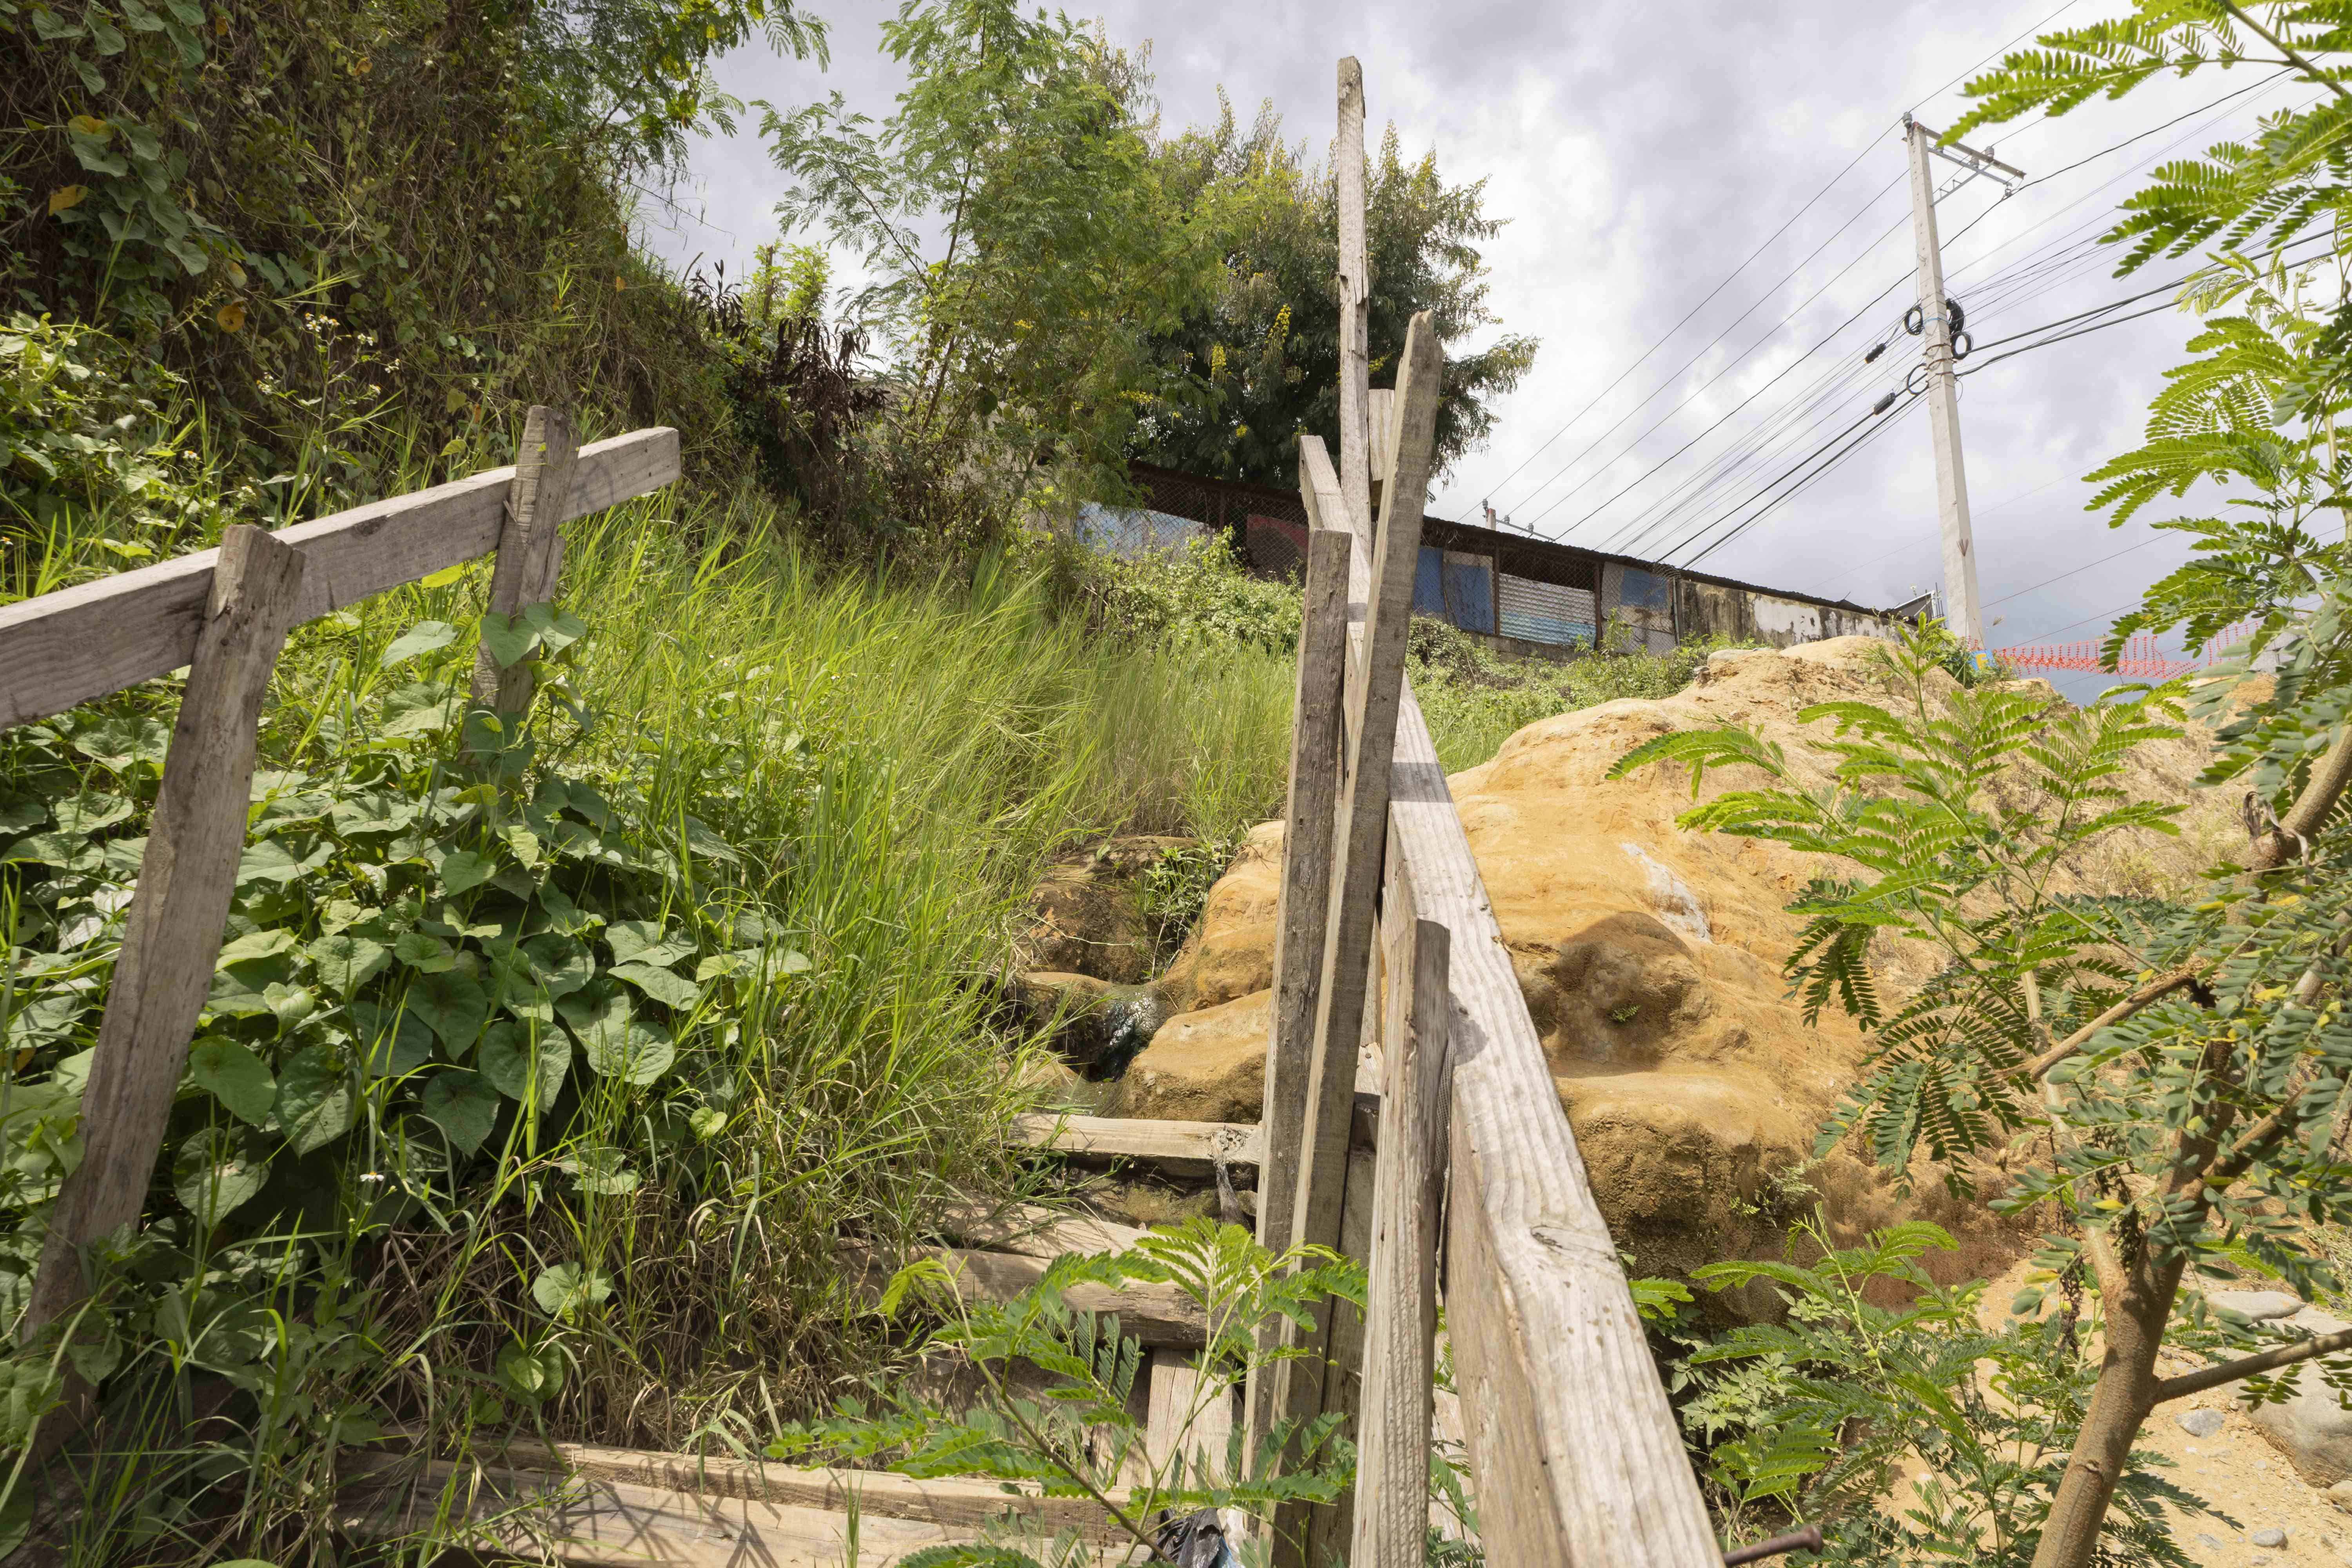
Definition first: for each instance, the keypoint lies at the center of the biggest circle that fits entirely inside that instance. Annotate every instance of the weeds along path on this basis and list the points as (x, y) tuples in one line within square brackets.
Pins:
[(770, 841)]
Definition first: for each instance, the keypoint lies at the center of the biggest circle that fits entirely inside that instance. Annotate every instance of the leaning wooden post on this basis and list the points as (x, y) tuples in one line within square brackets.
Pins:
[(530, 549), (178, 914), (1356, 449), (1315, 742), (1391, 1497), (1375, 688)]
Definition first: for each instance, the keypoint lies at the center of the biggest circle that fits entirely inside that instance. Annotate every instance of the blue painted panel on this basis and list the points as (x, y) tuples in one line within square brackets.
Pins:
[(1470, 597), (1429, 583)]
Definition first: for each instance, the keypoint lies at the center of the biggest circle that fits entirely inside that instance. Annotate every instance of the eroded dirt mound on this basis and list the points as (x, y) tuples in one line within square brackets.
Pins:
[(1651, 959)]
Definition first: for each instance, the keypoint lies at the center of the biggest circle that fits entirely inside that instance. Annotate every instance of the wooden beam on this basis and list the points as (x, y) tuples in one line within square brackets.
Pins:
[(952, 1503), (1392, 1508), (1183, 1144), (1034, 1230), (179, 912), (85, 641), (1375, 684), (530, 549), (1310, 820), (1202, 1436), (592, 1523), (1152, 1313), (1356, 472)]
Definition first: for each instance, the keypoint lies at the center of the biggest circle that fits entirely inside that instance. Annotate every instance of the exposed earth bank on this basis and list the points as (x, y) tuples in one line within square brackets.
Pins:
[(1650, 958)]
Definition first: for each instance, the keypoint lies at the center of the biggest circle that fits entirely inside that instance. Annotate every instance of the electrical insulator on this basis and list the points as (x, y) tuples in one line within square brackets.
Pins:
[(1883, 404), (1875, 350)]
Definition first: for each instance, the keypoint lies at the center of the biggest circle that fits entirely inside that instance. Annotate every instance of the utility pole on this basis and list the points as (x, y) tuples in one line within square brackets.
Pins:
[(1964, 604)]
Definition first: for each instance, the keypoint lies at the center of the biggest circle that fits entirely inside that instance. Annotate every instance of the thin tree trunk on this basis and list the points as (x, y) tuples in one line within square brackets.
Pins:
[(2126, 1392)]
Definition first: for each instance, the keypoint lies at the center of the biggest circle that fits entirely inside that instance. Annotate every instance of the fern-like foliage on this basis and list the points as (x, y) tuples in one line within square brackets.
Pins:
[(1078, 1437), (1873, 1370)]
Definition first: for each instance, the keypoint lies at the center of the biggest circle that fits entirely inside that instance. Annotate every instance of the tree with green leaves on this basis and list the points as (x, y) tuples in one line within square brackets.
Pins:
[(1025, 254), (2168, 1076), (1263, 353)]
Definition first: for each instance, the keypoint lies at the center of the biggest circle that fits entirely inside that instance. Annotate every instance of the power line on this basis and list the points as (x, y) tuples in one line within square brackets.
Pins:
[(2086, 566), (1694, 310), (1718, 338), (1864, 151), (1794, 468)]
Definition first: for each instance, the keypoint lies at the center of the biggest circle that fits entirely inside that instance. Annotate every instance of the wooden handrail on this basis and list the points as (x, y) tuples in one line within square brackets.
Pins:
[(85, 641), (1576, 1455)]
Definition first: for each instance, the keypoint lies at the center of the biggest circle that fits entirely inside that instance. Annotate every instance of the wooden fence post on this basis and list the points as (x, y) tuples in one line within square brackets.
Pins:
[(1316, 738), (1391, 1501), (1375, 688), (530, 549), (178, 914)]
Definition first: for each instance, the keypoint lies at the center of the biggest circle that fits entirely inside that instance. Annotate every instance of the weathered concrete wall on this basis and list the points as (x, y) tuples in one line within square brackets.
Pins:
[(1714, 609)]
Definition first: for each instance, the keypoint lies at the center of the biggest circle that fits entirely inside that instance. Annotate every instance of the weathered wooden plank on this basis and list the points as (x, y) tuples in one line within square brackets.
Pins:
[(591, 1523), (1153, 1313), (95, 637), (530, 549), (179, 912), (1183, 1144), (1186, 1420), (1034, 1231), (1330, 1526), (1356, 472), (1391, 1511), (1561, 1401), (1310, 820), (1374, 684), (952, 1503)]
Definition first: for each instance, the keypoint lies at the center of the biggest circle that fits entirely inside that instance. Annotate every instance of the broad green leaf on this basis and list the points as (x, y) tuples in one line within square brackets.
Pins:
[(645, 942), (291, 1004), (121, 740), (345, 962), (314, 1099), (616, 1043), (235, 1076), (566, 1289), (17, 815), (531, 1374), (425, 637), (454, 1005), (463, 870), (462, 1105), (742, 961), (282, 860), (90, 813), (242, 990), (665, 987), (372, 811), (392, 1044), (266, 943), (425, 955), (556, 629), (601, 1171), (562, 964), (707, 1121), (423, 708), (508, 640), (508, 1057), (211, 1174)]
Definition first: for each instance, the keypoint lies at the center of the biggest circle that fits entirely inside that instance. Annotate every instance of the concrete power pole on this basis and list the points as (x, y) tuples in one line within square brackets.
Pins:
[(1963, 604)]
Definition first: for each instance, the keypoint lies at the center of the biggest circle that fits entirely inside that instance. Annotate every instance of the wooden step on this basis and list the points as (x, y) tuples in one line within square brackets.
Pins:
[(587, 1522), (1189, 1145)]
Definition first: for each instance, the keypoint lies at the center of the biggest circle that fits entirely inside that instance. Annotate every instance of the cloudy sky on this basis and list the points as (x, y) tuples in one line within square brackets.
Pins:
[(1649, 156)]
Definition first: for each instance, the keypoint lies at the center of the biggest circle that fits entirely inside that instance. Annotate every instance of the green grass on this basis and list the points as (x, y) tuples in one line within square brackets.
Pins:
[(897, 758)]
